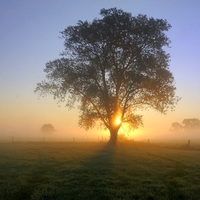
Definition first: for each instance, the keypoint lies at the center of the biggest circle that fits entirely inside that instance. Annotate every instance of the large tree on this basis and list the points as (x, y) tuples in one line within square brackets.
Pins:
[(112, 67)]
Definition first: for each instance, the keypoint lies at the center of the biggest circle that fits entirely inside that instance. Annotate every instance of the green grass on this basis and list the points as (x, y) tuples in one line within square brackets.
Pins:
[(96, 171)]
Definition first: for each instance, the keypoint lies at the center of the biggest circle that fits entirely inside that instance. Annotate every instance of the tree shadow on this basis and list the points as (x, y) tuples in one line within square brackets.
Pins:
[(85, 179), (91, 181)]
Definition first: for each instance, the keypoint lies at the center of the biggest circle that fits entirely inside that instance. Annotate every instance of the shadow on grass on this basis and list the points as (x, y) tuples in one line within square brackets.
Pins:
[(96, 171), (86, 176), (92, 179)]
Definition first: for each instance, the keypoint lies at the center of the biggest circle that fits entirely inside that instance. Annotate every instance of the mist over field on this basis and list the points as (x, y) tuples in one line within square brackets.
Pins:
[(26, 47)]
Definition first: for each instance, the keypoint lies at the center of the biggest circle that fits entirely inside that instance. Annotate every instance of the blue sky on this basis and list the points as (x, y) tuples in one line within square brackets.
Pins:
[(29, 37)]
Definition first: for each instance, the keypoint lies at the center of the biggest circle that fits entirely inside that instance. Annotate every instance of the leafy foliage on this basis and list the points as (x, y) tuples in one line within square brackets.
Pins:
[(176, 127), (113, 66), (190, 124)]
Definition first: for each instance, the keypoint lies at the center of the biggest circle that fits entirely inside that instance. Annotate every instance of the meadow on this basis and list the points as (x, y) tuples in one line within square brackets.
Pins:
[(94, 170)]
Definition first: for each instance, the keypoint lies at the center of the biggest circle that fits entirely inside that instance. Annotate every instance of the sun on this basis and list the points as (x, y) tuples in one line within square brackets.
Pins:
[(118, 121), (117, 118)]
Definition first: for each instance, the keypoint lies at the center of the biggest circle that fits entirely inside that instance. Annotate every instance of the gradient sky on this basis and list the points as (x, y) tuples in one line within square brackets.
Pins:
[(29, 37)]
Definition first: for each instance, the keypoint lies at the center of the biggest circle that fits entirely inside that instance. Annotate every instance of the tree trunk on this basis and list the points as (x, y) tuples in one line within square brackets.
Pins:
[(113, 136)]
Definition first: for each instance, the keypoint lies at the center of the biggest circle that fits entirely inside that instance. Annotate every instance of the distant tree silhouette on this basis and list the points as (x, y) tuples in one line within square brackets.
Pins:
[(176, 127), (192, 124), (47, 129), (113, 66)]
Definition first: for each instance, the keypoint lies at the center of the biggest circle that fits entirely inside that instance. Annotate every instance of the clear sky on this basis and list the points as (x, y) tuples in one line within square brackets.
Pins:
[(29, 37)]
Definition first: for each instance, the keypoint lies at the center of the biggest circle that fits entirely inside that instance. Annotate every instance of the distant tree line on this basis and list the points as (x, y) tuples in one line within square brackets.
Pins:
[(192, 124)]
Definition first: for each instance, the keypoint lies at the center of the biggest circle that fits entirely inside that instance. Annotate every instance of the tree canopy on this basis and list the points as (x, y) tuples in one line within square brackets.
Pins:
[(47, 129), (188, 125), (176, 127), (112, 67), (192, 124)]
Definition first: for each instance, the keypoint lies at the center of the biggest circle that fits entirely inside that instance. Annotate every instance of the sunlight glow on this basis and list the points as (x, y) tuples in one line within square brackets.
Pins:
[(118, 121), (126, 133)]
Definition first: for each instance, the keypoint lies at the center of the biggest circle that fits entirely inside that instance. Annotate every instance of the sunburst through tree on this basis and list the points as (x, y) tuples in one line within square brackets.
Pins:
[(112, 67)]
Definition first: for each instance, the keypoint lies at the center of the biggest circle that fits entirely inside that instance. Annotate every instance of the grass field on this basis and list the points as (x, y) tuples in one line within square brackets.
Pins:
[(97, 171)]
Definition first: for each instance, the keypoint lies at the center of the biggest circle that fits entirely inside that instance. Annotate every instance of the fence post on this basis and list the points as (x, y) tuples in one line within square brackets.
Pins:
[(188, 143)]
